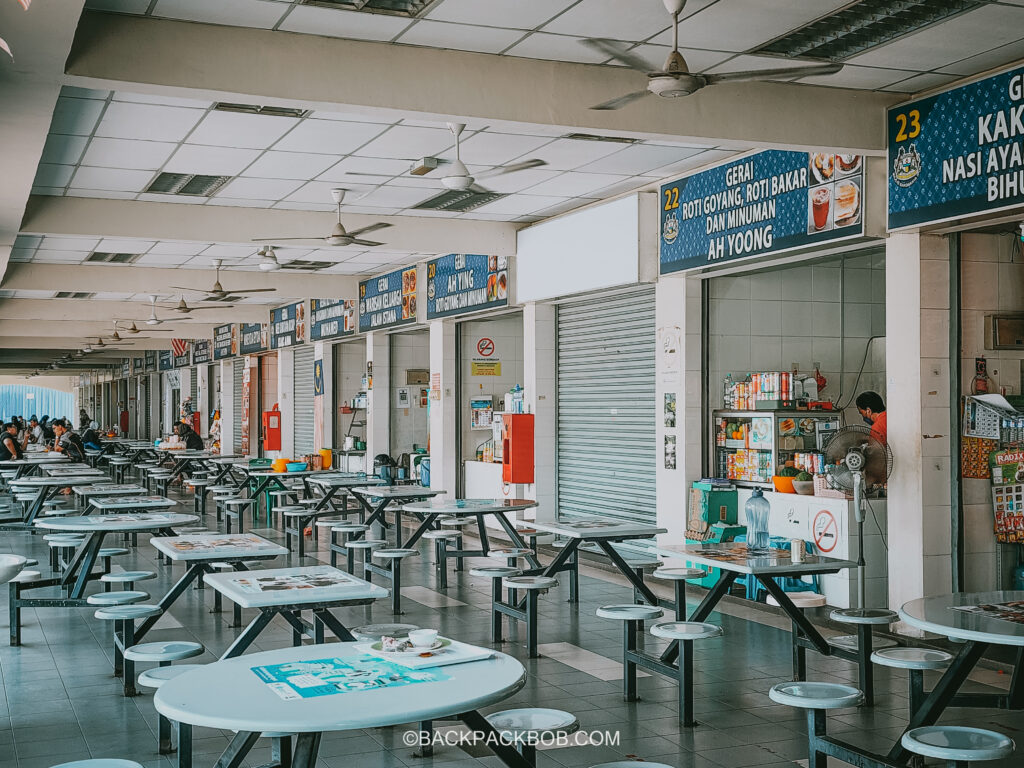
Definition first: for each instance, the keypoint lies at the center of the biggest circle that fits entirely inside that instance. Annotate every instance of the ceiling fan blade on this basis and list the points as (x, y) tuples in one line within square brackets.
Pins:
[(613, 50), (621, 101), (277, 239), (773, 74), (247, 290), (183, 288), (371, 228), (365, 242), (512, 168)]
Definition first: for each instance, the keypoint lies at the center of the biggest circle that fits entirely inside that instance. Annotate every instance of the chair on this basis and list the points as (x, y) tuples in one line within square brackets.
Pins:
[(533, 586), (125, 578), (364, 546), (916, 661), (803, 601), (124, 616), (632, 617), (346, 531), (200, 488), (495, 573), (685, 633), (526, 727), (858, 648), (456, 524), (441, 539), (392, 571), (234, 510), (817, 699), (678, 577), (957, 745), (101, 762), (163, 653)]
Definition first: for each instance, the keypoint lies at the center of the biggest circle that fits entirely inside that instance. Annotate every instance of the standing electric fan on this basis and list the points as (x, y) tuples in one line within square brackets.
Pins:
[(855, 461)]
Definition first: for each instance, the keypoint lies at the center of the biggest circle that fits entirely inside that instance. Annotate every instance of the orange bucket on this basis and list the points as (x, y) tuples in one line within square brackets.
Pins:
[(279, 465), (327, 456)]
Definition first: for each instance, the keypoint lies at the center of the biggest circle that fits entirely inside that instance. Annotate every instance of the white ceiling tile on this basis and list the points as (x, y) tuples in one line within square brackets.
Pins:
[(754, 63), (214, 161), (635, 184), (997, 57), (340, 23), (126, 120), (108, 194), (343, 268), (706, 158), (372, 210), (731, 26), (612, 19), (331, 137), (124, 245), (520, 204), (48, 175), (573, 184), (380, 168), (114, 179), (237, 202), (697, 59), (161, 260), (568, 154), (60, 148), (224, 251), (394, 197), (410, 142), (262, 189), (519, 180), (521, 14), (59, 257), (942, 44), (177, 248), (487, 148), (320, 192), (293, 205), (919, 83), (460, 37), (370, 116), (167, 101), (487, 216), (430, 181), (150, 197), (852, 76), (541, 45), (243, 13), (240, 129), (639, 159), (125, 153), (76, 116)]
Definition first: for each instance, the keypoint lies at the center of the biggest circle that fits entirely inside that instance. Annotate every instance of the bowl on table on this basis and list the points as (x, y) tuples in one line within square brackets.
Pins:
[(783, 484), (804, 487), (295, 466)]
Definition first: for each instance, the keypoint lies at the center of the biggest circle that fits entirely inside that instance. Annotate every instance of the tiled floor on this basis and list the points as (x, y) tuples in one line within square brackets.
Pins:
[(61, 703)]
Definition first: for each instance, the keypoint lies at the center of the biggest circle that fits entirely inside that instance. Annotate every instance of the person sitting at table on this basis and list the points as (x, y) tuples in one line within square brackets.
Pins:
[(35, 431), (91, 437), (68, 441), (9, 448), (187, 435)]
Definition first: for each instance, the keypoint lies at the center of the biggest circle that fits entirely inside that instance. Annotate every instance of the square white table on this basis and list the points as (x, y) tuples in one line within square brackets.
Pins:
[(47, 487), (289, 591)]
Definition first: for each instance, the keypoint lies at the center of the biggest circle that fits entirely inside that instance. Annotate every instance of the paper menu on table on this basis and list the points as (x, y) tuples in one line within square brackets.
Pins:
[(325, 677), (456, 653)]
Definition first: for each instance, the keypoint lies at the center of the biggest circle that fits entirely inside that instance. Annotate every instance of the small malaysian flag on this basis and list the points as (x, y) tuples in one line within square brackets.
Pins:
[(179, 347)]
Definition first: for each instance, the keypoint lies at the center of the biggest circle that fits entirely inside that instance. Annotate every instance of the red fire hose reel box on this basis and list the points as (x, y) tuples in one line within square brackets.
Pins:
[(517, 448), (272, 430)]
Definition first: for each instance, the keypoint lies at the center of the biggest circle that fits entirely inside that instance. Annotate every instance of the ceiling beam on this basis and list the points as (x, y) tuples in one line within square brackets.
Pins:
[(78, 332), (224, 63), (131, 278), (79, 311), (37, 342), (98, 217)]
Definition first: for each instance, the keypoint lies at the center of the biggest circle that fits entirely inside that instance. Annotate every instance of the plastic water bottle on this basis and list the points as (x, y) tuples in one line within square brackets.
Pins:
[(758, 511)]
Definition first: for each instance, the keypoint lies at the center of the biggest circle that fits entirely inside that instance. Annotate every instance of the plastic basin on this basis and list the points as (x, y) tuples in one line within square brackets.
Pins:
[(295, 466)]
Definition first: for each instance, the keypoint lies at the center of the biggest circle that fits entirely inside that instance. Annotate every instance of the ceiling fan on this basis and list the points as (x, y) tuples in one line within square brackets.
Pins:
[(268, 259), (459, 179), (339, 235), (675, 78), (183, 307), (134, 329), (217, 292)]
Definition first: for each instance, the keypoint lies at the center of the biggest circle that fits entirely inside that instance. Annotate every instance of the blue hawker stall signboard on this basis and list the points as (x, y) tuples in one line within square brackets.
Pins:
[(959, 153), (225, 341), (329, 318), (388, 300), (201, 351), (165, 362), (253, 338), (288, 325), (765, 203), (466, 282)]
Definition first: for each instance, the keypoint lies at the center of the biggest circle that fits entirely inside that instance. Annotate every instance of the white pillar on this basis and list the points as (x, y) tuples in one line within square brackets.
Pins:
[(325, 353), (444, 462), (678, 365), (203, 395), (539, 382), (228, 405), (286, 401), (378, 413), (918, 407)]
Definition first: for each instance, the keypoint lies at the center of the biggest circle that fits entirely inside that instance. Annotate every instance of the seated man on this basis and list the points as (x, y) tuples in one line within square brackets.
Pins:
[(9, 447), (91, 437), (67, 441), (189, 437)]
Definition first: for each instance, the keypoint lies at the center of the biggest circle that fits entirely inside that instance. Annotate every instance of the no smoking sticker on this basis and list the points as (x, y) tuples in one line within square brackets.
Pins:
[(485, 347), (825, 531)]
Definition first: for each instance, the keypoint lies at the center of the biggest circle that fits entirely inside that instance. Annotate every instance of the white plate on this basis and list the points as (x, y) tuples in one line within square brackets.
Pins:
[(441, 642)]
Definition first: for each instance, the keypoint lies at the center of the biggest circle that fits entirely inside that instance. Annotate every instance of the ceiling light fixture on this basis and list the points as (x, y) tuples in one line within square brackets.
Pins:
[(268, 259)]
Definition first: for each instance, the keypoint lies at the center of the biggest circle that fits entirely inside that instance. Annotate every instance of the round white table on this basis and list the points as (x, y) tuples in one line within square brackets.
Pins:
[(978, 628), (229, 695)]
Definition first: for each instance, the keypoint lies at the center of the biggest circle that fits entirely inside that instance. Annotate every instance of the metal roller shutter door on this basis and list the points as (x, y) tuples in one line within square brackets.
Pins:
[(146, 380), (303, 399), (236, 408), (194, 388), (606, 414)]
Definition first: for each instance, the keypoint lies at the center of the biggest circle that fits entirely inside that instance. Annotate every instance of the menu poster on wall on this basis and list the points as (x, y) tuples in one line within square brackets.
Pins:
[(138, 364), (201, 352), (958, 153), (329, 318), (388, 300), (253, 338), (288, 325), (150, 358), (184, 360), (225, 341), (126, 367), (465, 282), (765, 203), (165, 362)]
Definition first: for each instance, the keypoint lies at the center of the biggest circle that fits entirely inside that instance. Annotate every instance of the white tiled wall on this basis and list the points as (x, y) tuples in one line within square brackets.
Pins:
[(349, 367), (770, 320), (408, 425)]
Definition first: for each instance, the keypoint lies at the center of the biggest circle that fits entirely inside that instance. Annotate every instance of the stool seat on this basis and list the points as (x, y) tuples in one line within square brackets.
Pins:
[(54, 503), (630, 612), (292, 511), (101, 762), (127, 612), (642, 562), (172, 650), (529, 582), (157, 676), (197, 482), (350, 527), (125, 597), (222, 489), (113, 551), (328, 522), (25, 577), (686, 630), (279, 494), (912, 658), (534, 722), (679, 574), (63, 537), (365, 544), (395, 553), (510, 552), (377, 631), (494, 571), (63, 543), (441, 535), (240, 502), (864, 616), (800, 600), (308, 502), (957, 742), (122, 577), (57, 511), (455, 522), (631, 764), (814, 695)]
